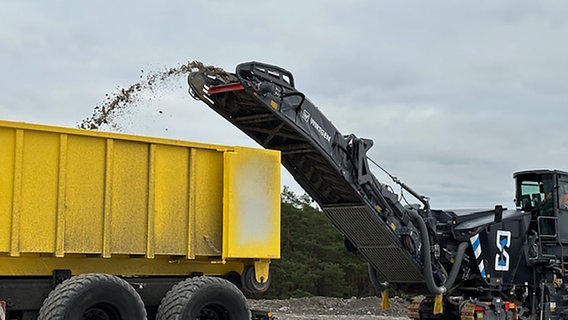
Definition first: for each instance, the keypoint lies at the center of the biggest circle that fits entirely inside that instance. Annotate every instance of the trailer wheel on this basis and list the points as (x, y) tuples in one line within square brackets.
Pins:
[(93, 296), (204, 298), (251, 285)]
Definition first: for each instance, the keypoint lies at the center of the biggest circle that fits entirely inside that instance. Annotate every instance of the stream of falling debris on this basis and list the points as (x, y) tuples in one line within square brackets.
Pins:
[(116, 104)]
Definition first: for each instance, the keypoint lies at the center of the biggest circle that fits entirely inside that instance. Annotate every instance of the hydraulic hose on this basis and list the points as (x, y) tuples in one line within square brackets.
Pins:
[(375, 279), (458, 259), (427, 259)]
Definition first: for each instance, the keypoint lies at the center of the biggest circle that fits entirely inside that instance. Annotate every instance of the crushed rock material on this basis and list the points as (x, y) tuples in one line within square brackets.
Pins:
[(115, 104), (332, 306)]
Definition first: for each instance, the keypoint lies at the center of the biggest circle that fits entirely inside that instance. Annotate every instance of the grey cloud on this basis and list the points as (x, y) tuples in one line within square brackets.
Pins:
[(457, 96)]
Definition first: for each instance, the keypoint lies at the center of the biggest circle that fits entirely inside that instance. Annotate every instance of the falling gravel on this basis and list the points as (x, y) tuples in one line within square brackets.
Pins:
[(124, 100)]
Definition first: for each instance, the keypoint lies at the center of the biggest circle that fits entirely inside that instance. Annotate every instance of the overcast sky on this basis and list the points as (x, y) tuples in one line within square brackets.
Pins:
[(457, 95)]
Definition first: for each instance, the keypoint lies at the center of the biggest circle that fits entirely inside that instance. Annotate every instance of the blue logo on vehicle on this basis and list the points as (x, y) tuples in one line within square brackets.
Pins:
[(502, 257)]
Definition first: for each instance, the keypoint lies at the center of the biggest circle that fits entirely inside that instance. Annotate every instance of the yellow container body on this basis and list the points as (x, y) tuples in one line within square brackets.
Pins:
[(94, 201)]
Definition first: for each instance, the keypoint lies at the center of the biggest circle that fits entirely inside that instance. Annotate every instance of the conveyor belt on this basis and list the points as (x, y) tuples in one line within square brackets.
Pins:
[(261, 101)]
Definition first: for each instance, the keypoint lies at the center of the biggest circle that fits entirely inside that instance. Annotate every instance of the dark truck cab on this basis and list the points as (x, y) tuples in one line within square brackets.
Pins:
[(544, 193)]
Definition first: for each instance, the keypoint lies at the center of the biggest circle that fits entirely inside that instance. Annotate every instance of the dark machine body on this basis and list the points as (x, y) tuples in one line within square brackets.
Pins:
[(493, 264)]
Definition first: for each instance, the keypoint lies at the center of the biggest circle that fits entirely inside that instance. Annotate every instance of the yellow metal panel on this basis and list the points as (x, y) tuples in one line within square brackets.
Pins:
[(207, 194), (7, 155), (129, 197), (39, 201), (171, 198), (34, 265), (84, 203), (251, 214)]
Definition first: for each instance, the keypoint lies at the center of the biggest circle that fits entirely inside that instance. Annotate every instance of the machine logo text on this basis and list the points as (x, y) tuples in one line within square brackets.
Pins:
[(308, 118)]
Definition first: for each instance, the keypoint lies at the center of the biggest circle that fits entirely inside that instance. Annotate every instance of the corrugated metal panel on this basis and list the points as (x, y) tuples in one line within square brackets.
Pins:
[(382, 258), (374, 240)]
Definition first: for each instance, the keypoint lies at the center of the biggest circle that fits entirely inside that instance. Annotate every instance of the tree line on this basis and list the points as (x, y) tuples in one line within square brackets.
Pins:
[(314, 260)]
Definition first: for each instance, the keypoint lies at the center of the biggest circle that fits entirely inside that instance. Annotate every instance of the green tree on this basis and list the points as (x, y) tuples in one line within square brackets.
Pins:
[(314, 260)]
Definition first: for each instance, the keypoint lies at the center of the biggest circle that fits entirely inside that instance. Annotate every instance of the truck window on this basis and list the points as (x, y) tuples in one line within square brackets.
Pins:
[(531, 196), (535, 194), (563, 193)]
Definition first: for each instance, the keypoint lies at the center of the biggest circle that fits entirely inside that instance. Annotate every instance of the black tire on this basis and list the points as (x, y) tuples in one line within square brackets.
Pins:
[(251, 285), (93, 296), (204, 298)]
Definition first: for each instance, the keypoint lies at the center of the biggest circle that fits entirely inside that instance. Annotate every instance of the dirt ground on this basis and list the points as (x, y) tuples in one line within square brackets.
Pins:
[(332, 308)]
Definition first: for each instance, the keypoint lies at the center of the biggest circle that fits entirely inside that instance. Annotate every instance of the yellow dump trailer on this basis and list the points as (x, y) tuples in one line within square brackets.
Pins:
[(136, 214)]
